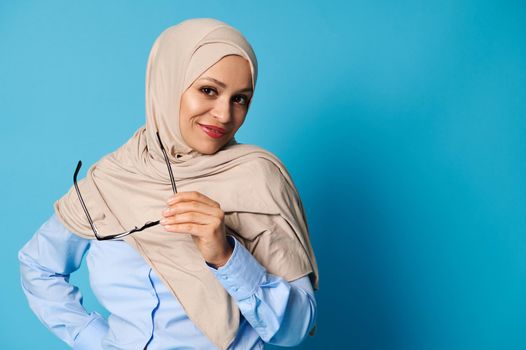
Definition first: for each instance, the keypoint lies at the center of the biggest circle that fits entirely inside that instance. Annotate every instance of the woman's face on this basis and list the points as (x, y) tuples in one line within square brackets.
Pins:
[(215, 105)]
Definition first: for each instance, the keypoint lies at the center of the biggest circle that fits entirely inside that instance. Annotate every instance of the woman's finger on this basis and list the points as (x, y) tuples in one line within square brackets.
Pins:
[(193, 206), (192, 196), (193, 229), (191, 218)]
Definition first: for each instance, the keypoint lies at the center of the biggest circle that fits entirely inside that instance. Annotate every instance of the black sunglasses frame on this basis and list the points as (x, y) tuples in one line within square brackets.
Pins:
[(118, 236)]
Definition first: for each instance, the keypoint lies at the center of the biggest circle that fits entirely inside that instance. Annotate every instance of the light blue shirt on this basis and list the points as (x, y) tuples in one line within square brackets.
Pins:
[(143, 312)]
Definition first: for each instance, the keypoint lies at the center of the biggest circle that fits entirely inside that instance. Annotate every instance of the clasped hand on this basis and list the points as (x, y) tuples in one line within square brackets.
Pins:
[(196, 214)]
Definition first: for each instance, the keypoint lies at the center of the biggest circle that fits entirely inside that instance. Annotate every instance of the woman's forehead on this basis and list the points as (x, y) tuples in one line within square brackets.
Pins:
[(231, 71)]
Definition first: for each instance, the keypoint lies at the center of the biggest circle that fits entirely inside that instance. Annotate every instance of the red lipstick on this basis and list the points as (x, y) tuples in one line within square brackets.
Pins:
[(212, 131)]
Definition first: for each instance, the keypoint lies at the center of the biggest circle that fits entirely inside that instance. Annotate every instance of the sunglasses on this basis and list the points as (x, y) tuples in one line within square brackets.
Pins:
[(118, 236)]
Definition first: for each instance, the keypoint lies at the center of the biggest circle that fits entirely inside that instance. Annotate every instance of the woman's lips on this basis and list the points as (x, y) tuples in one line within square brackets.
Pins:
[(212, 131)]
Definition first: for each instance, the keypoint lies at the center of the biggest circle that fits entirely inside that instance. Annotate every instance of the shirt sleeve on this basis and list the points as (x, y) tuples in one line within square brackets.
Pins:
[(281, 312), (46, 262)]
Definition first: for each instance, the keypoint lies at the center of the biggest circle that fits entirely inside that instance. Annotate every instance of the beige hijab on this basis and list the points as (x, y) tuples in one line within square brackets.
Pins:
[(130, 186)]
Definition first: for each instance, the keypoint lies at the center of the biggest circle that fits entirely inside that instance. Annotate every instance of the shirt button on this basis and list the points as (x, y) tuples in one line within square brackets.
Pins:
[(224, 277)]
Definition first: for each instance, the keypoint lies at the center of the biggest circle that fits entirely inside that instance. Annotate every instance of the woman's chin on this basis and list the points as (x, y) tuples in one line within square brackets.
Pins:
[(207, 149)]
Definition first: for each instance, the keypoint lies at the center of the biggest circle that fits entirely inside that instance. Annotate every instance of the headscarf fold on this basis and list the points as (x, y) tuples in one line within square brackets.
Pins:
[(130, 186)]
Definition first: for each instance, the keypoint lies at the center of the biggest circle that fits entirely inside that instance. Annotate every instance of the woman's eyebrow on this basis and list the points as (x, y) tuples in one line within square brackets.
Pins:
[(223, 85)]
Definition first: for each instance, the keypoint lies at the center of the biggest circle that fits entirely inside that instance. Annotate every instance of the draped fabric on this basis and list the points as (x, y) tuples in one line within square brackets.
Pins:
[(130, 186)]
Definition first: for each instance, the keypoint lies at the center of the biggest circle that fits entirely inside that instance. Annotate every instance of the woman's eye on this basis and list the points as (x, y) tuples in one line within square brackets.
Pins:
[(241, 99), (208, 91)]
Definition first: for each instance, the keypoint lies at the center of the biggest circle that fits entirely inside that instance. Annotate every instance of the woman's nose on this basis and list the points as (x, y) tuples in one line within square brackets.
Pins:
[(222, 110)]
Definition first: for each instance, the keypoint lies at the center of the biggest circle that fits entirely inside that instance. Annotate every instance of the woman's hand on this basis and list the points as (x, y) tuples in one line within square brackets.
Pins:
[(200, 216)]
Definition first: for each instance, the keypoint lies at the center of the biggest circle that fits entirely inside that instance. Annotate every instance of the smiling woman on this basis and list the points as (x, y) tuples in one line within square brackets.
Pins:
[(229, 267), (215, 106)]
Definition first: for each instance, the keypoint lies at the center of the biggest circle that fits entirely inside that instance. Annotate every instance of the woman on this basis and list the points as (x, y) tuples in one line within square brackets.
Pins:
[(229, 262)]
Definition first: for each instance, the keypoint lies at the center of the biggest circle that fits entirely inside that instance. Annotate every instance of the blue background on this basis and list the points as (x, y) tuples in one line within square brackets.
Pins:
[(402, 124)]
